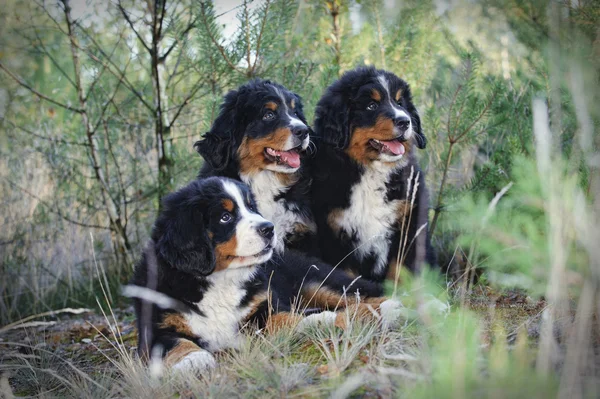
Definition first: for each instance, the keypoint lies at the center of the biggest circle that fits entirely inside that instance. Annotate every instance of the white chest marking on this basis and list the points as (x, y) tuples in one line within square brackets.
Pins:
[(370, 216), (266, 186), (220, 325)]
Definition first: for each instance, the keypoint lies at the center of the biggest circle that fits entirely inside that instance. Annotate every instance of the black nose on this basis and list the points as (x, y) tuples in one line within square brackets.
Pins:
[(402, 123), (300, 131), (266, 229)]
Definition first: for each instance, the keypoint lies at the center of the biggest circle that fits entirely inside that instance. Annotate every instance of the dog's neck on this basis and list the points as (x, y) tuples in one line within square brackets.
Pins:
[(268, 188), (267, 184), (238, 275)]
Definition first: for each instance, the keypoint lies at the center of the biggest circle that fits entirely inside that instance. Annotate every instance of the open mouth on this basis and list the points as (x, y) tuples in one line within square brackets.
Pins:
[(290, 158), (262, 253), (390, 147)]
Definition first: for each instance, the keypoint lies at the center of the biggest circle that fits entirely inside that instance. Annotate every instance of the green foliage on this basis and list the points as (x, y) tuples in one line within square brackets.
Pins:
[(475, 70)]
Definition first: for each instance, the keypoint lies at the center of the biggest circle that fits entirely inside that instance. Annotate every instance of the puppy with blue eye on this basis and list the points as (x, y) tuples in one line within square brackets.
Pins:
[(200, 278)]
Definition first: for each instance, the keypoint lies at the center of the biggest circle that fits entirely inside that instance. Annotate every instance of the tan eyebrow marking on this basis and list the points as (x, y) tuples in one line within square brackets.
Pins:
[(375, 95), (227, 204), (293, 103), (271, 105), (398, 94)]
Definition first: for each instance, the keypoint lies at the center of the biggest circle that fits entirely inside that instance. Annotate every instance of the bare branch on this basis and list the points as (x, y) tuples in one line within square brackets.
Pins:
[(186, 101), (187, 30), (131, 25), (47, 53), (51, 139), (37, 93), (119, 75), (104, 68), (119, 173), (56, 211)]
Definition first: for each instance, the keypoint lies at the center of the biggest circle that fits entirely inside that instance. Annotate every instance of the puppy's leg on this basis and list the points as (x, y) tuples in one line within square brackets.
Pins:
[(384, 309), (277, 321), (187, 356)]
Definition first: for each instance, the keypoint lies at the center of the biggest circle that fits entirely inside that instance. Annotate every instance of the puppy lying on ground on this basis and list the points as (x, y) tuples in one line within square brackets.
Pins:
[(200, 279)]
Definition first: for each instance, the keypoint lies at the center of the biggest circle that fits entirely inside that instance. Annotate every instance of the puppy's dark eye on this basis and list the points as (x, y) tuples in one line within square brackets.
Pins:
[(225, 218), (372, 106), (269, 115)]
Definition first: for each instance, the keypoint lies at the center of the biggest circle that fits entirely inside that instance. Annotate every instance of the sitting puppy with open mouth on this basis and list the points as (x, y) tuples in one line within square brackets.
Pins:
[(199, 280), (368, 193), (260, 137)]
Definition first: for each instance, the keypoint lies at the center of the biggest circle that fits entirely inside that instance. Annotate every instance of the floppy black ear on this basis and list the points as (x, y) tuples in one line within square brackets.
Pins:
[(182, 240), (416, 123), (217, 146), (415, 119), (215, 150), (331, 123)]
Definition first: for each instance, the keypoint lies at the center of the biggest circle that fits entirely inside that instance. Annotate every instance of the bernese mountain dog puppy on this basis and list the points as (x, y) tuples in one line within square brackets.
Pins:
[(199, 279), (260, 137), (368, 193)]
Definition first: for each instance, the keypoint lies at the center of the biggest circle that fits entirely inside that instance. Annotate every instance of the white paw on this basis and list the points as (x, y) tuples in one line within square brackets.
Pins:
[(391, 310), (196, 361), (326, 318)]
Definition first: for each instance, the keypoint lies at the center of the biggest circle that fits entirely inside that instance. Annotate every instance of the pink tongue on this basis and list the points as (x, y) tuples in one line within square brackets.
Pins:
[(292, 158), (394, 146)]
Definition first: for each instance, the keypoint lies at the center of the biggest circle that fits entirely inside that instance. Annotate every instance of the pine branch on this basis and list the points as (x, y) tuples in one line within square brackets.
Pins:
[(214, 40), (260, 35)]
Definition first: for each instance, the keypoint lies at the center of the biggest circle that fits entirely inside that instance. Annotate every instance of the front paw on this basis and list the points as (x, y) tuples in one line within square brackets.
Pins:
[(197, 361)]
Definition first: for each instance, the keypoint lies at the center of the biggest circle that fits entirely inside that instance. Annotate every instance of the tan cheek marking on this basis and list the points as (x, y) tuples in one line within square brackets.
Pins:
[(359, 148), (271, 105), (177, 322), (251, 151), (376, 95), (227, 204), (398, 95), (224, 251), (179, 351)]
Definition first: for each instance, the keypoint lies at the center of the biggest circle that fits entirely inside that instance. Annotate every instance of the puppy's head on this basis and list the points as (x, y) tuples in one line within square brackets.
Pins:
[(369, 113), (261, 126), (211, 225)]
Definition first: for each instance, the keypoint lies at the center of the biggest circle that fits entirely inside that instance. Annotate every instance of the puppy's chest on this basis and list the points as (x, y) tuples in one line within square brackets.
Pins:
[(371, 218), (288, 218), (221, 313)]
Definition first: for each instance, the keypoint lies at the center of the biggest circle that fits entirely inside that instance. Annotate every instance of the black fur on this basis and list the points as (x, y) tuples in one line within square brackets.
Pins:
[(299, 264), (179, 259), (341, 110)]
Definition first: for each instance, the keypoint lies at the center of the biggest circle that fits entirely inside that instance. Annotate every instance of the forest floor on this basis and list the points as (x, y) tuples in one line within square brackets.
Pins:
[(84, 344)]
